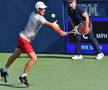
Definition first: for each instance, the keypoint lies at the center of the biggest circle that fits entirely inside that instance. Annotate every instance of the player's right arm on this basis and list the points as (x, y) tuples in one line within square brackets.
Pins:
[(55, 26)]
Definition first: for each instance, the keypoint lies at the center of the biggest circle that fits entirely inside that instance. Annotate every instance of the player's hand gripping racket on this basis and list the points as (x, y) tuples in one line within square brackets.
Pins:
[(82, 29)]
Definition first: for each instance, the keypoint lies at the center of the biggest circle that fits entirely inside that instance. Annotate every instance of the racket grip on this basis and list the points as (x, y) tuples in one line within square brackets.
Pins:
[(67, 33)]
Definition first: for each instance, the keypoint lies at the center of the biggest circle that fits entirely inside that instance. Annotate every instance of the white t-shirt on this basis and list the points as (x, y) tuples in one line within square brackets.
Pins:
[(32, 28)]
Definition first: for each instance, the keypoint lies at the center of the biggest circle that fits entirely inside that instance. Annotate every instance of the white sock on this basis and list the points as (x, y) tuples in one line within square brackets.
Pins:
[(24, 74), (5, 69)]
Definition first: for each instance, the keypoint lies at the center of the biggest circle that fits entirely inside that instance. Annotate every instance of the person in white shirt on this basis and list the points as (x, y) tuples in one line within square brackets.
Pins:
[(36, 20)]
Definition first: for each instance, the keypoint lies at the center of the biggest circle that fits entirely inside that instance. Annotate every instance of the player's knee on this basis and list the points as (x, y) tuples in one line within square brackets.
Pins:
[(34, 59)]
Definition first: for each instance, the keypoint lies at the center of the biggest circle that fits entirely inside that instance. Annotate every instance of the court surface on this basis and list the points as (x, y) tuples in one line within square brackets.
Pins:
[(58, 72)]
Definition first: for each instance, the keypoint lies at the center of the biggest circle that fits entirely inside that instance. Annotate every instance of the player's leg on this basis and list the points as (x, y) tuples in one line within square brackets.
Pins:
[(32, 60), (95, 45), (26, 46), (94, 42), (78, 47), (78, 44), (29, 64), (11, 59)]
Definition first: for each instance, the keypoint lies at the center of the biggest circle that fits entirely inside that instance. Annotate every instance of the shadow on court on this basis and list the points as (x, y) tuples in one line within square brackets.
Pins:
[(61, 57), (12, 85), (89, 57), (86, 57)]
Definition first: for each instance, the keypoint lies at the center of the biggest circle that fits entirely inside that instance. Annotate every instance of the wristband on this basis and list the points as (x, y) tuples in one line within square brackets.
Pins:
[(58, 30)]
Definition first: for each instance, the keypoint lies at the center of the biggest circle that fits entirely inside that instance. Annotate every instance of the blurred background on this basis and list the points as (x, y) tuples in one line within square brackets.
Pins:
[(14, 16)]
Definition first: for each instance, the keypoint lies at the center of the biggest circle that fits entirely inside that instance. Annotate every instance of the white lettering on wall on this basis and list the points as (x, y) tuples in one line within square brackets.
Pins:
[(102, 35), (92, 9)]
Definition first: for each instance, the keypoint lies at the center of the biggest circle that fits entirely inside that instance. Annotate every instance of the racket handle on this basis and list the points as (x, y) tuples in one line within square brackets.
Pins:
[(67, 33), (70, 32)]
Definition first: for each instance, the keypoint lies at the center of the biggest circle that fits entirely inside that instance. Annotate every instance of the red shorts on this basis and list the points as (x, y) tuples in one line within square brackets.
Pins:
[(24, 45)]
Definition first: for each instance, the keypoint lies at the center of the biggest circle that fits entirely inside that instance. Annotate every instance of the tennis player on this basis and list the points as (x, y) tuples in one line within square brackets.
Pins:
[(78, 15), (36, 20)]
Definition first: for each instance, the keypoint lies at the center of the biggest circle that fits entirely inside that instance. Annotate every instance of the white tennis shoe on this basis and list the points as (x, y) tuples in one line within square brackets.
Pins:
[(100, 56), (77, 57)]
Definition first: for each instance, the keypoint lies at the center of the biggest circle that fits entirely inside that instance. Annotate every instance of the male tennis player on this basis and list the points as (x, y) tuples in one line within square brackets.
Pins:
[(36, 20), (78, 15)]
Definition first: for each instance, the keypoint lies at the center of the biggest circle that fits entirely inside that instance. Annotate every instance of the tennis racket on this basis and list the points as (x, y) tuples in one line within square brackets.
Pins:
[(82, 29)]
